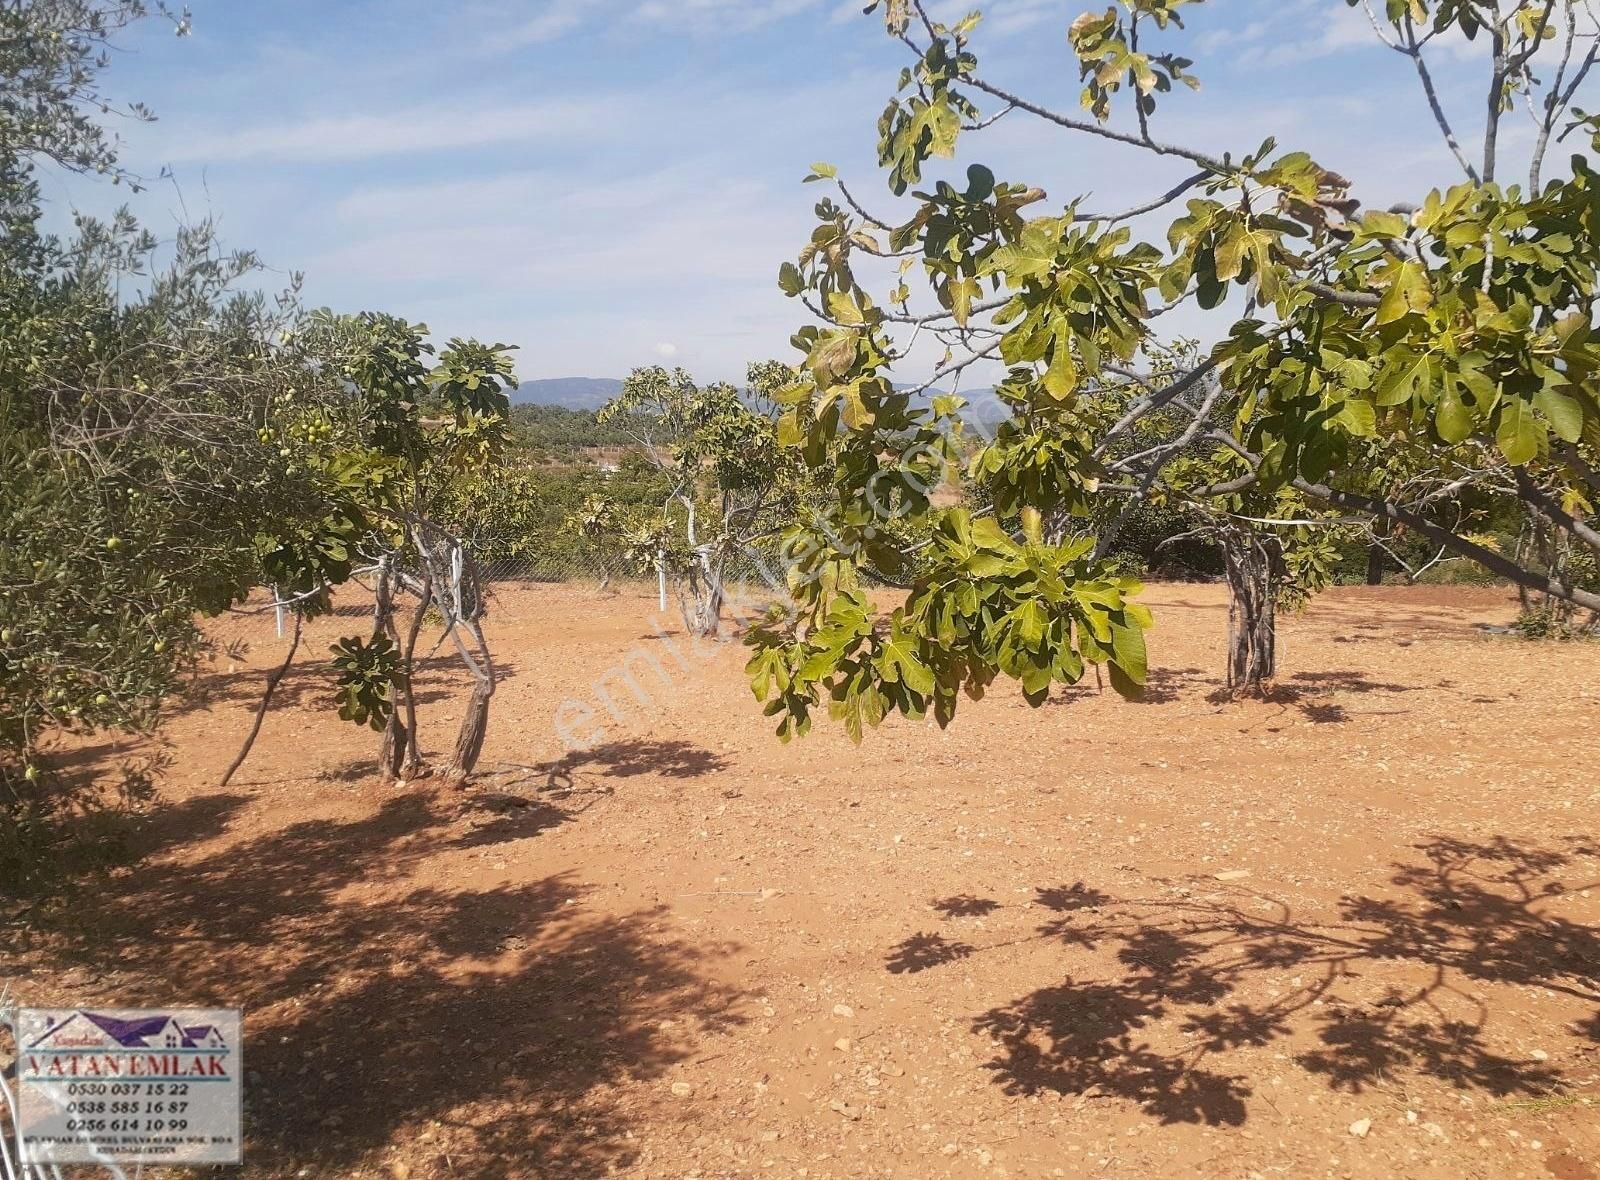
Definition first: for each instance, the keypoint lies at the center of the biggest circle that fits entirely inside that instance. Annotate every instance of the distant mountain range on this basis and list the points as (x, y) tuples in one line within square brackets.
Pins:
[(590, 393), (573, 393)]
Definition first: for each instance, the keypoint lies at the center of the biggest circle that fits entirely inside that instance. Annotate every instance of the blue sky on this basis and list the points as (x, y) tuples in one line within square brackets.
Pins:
[(610, 183)]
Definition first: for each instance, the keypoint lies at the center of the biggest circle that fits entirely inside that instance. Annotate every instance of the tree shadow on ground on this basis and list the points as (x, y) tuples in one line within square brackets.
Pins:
[(1164, 686), (1309, 693), (1302, 690), (487, 1027), (669, 759), (310, 682), (497, 818), (965, 905), (922, 951), (1182, 996), (1349, 682)]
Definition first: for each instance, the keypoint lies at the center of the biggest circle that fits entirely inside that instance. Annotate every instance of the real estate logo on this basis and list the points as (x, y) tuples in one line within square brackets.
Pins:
[(129, 1085)]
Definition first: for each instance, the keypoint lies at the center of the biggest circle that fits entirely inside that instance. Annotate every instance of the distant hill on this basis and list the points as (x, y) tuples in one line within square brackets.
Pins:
[(573, 393), (590, 393)]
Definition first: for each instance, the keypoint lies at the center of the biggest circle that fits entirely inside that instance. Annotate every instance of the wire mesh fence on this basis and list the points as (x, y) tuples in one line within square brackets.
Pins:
[(751, 576)]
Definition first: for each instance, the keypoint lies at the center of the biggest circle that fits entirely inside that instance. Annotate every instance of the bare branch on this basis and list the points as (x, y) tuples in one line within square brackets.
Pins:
[(1559, 100), (1530, 493), (1494, 562), (1497, 86), (1152, 402), (1346, 298), (1166, 198), (1412, 48), (1208, 162), (861, 212), (990, 121)]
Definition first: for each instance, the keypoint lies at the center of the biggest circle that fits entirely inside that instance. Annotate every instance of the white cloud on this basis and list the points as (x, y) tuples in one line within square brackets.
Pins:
[(719, 15), (412, 130), (666, 350), (1247, 34), (555, 19), (1338, 30), (559, 18)]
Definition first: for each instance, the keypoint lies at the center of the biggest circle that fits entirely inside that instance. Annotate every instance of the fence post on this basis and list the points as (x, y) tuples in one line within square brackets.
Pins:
[(277, 609), (661, 578)]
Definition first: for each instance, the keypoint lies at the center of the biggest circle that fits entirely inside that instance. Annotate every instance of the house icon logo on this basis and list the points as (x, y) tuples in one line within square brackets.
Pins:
[(90, 1031)]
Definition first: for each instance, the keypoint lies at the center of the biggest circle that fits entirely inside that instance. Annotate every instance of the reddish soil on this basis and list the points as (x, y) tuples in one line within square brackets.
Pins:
[(1350, 931)]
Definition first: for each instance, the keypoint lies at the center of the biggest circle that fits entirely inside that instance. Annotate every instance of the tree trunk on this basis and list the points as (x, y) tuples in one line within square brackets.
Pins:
[(475, 725), (1254, 565), (702, 600), (398, 755), (1376, 555), (392, 746), (412, 766)]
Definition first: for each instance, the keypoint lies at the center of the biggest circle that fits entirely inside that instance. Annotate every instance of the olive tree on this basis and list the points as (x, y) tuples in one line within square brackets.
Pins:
[(1452, 336), (135, 482), (52, 55)]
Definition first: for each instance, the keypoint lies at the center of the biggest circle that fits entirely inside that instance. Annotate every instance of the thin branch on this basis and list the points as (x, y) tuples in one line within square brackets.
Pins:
[(1413, 49), (1579, 464), (860, 211), (1345, 298), (937, 316), (273, 678), (1162, 456), (1530, 493), (1153, 402), (1497, 89), (1208, 162), (1494, 562), (1559, 100), (956, 367), (990, 121), (1377, 27), (1166, 198)]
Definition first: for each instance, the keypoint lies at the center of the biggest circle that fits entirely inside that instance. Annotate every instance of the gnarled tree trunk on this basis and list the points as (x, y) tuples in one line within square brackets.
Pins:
[(702, 596), (399, 757), (1254, 566)]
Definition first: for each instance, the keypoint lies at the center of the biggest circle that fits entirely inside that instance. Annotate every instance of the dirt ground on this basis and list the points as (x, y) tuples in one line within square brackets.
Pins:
[(1348, 932)]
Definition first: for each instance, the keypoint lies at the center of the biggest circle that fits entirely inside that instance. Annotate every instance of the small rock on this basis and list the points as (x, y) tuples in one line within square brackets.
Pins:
[(1232, 875), (949, 1149), (1360, 1127), (842, 1044), (844, 1108), (682, 1089), (1411, 1116), (844, 1010), (1539, 1055)]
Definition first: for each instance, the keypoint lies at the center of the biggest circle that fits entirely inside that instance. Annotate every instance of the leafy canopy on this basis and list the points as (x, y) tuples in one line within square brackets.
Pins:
[(1375, 350)]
